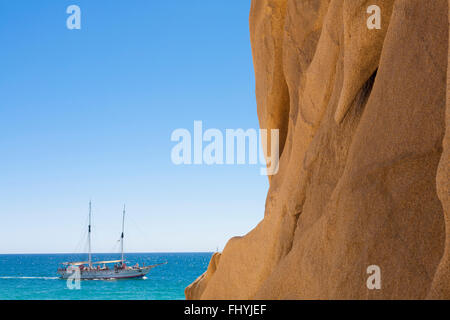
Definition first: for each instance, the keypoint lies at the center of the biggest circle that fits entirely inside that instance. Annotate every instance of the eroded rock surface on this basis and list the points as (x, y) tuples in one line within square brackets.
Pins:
[(364, 169)]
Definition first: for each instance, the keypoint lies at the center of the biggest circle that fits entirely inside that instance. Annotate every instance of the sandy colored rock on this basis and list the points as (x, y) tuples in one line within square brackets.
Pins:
[(196, 288), (363, 119), (362, 48), (441, 282), (266, 32)]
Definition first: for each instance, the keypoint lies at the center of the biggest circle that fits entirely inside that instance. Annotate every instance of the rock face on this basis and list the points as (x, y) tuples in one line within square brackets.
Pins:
[(441, 282), (364, 168)]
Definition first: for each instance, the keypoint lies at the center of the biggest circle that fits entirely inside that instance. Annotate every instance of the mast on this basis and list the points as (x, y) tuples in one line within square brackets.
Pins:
[(121, 237), (89, 234)]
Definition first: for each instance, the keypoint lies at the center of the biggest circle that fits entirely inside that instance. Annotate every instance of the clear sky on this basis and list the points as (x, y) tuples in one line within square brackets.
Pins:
[(88, 114)]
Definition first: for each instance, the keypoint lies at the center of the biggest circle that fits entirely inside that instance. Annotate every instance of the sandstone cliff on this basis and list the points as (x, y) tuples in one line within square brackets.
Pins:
[(364, 168)]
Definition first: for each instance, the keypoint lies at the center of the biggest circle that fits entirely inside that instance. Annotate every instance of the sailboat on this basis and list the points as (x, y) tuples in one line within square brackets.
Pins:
[(100, 270)]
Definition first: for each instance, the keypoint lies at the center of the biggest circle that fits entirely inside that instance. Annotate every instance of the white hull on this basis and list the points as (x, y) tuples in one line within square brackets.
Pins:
[(107, 274)]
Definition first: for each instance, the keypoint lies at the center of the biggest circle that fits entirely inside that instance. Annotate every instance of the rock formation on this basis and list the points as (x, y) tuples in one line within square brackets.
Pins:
[(364, 167)]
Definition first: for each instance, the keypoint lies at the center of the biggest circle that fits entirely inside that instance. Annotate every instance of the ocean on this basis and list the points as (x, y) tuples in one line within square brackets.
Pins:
[(34, 277)]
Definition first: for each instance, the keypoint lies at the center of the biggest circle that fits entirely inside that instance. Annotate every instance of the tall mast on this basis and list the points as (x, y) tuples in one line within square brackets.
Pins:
[(89, 234), (121, 237)]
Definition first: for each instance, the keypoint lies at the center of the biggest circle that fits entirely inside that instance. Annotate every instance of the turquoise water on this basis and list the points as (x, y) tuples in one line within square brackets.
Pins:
[(33, 276)]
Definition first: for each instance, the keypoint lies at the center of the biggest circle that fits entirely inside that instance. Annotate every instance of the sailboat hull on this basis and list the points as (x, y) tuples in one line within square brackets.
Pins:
[(105, 274)]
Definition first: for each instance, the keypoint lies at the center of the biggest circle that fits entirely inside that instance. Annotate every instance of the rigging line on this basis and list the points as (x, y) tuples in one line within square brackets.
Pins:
[(85, 247), (84, 233), (80, 243), (142, 233), (115, 247)]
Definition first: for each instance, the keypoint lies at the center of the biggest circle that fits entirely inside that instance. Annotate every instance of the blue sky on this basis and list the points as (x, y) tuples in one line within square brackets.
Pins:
[(88, 114)]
